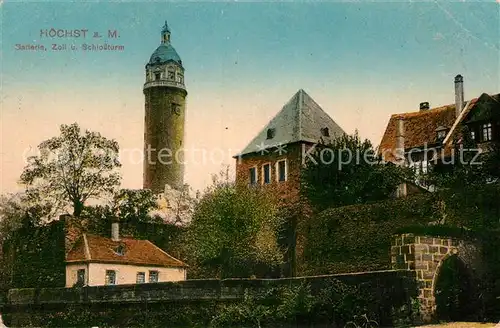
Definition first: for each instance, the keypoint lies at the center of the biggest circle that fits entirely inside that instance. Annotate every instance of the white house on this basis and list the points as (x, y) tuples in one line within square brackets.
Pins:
[(95, 260)]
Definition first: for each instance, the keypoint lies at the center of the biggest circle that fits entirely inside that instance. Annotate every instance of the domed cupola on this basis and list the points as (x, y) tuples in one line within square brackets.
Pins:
[(165, 65)]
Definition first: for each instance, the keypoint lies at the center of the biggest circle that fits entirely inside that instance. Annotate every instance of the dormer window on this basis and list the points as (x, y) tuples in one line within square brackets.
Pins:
[(271, 133), (120, 250), (325, 132), (441, 133)]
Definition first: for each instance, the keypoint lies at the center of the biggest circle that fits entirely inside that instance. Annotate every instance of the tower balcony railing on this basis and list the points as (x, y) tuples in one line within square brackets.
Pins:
[(163, 83)]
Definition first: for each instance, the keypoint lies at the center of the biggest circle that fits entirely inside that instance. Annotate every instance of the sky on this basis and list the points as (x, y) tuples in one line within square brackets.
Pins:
[(360, 61)]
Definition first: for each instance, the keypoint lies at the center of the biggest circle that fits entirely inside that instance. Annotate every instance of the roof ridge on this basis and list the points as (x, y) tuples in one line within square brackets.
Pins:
[(88, 256), (299, 108)]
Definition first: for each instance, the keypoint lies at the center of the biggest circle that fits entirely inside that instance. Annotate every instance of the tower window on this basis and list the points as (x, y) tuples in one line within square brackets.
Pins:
[(487, 132), (253, 175), (325, 132), (266, 173), (180, 78), (176, 108), (171, 75), (281, 170), (157, 76), (271, 133)]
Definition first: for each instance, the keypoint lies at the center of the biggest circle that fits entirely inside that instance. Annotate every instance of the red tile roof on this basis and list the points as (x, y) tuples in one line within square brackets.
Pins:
[(97, 249), (419, 129)]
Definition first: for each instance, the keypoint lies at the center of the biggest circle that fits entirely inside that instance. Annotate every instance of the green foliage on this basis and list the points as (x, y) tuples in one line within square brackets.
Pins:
[(234, 231), (37, 255), (72, 168), (348, 172), (358, 237), (130, 206), (285, 305), (406, 315), (18, 216)]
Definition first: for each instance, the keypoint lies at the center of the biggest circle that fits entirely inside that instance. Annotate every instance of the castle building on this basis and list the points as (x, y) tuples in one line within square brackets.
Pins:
[(277, 154), (165, 114)]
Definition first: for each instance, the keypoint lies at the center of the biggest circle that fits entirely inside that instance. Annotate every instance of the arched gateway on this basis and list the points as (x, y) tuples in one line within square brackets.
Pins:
[(433, 259)]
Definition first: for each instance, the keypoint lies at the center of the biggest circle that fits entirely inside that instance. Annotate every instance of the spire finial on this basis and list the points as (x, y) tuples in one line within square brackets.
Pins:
[(165, 33)]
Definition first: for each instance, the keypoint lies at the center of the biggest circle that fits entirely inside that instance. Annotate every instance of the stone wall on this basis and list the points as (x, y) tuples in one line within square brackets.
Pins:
[(424, 256), (114, 305)]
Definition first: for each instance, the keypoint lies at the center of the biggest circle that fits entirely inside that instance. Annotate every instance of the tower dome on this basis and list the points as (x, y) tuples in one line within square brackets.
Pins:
[(165, 51), (163, 54), (164, 67)]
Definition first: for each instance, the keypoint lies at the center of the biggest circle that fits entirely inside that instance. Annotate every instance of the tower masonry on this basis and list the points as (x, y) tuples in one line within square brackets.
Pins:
[(165, 113)]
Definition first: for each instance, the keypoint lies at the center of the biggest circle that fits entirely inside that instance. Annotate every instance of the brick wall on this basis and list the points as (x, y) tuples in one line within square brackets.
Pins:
[(289, 189)]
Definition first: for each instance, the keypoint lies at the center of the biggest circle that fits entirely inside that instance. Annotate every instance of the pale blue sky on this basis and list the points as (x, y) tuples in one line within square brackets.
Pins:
[(360, 61)]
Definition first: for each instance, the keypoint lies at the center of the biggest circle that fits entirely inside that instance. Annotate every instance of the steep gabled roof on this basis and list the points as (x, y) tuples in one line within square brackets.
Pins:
[(420, 127), (97, 249), (485, 101), (301, 119)]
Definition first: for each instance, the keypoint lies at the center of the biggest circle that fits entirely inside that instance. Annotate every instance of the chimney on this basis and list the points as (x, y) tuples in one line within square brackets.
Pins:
[(400, 141), (115, 230), (459, 94), (400, 153), (424, 106)]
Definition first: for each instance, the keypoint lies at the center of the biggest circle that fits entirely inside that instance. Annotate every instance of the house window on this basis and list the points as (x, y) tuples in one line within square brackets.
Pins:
[(487, 132), (110, 277), (141, 277), (441, 134), (157, 76), (271, 133), (420, 167), (80, 277), (153, 276), (473, 135), (325, 132), (281, 170), (253, 175), (266, 173)]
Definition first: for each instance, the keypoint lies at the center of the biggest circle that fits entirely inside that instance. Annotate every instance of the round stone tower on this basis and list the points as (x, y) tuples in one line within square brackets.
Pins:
[(165, 102)]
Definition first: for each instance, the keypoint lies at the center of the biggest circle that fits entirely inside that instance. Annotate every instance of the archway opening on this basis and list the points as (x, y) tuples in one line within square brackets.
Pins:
[(454, 292)]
